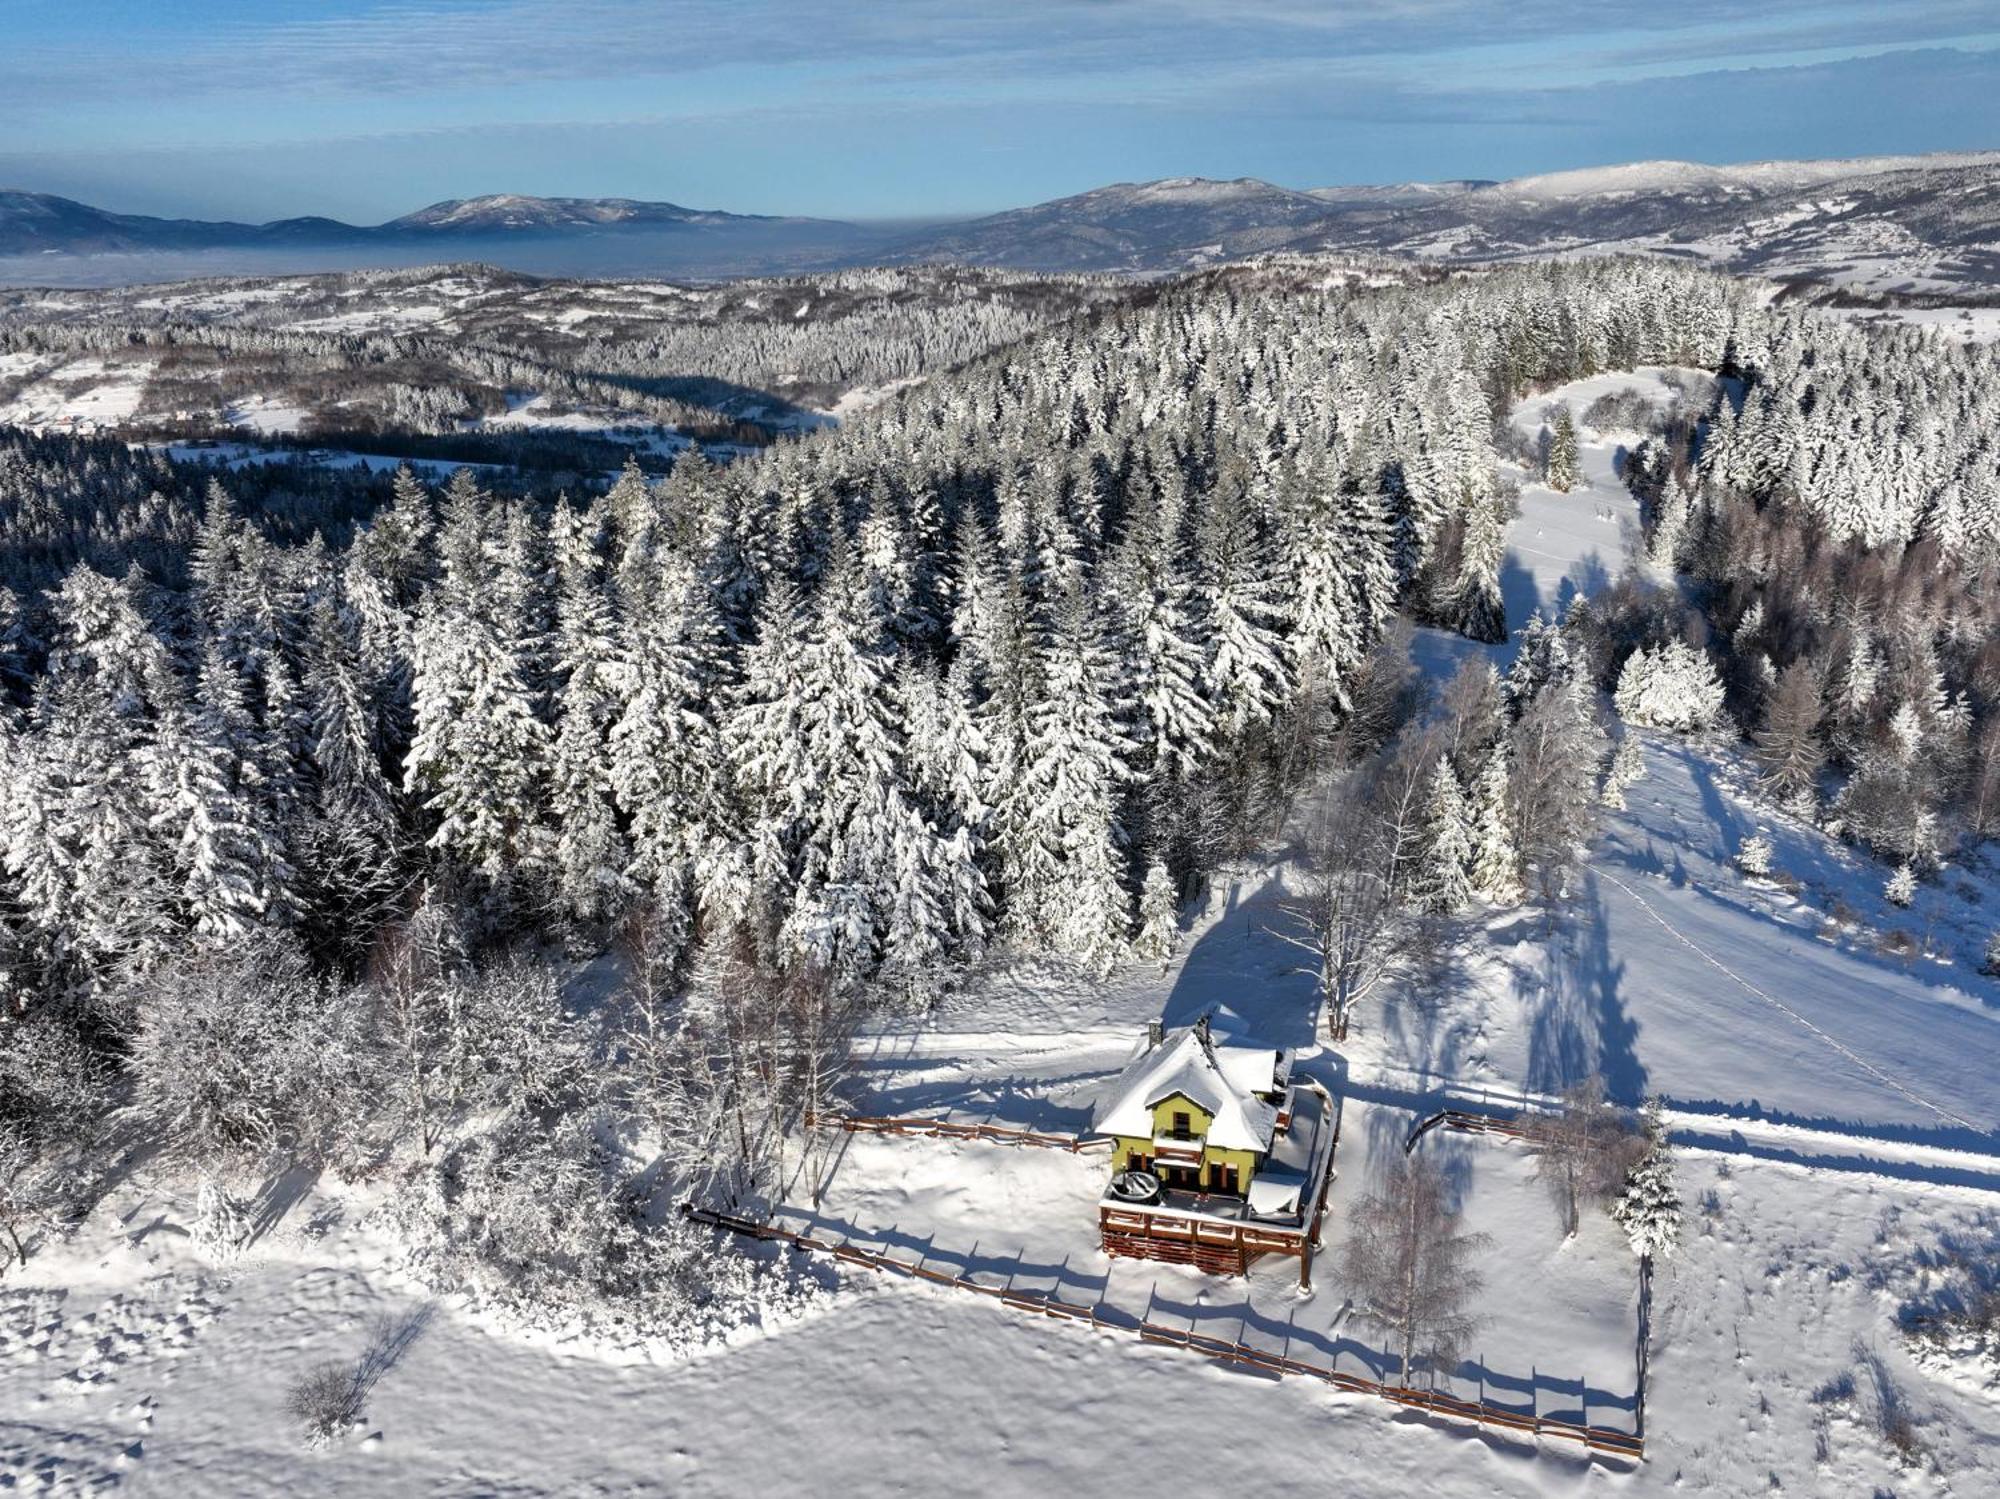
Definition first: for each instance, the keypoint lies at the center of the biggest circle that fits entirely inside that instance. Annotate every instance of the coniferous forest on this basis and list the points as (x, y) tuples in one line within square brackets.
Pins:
[(544, 849)]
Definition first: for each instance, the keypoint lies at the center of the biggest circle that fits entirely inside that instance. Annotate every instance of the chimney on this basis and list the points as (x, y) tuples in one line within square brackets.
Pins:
[(1155, 1034)]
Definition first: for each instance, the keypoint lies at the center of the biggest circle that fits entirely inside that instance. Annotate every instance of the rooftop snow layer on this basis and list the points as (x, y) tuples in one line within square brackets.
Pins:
[(1223, 1080)]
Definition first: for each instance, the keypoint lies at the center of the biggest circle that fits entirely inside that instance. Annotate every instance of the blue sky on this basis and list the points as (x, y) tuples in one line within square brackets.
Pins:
[(365, 109)]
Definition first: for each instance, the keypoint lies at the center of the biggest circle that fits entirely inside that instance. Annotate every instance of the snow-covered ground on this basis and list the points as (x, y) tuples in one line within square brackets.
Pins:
[(264, 415), (1836, 1110), (67, 391), (1971, 325)]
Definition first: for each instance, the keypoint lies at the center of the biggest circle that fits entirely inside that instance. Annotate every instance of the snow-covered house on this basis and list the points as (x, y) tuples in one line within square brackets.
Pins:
[(1217, 1154), (1199, 1111)]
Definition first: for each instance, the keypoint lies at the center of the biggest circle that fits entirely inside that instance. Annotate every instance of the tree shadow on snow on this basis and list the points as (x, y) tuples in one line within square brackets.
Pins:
[(1577, 1022), (1241, 962)]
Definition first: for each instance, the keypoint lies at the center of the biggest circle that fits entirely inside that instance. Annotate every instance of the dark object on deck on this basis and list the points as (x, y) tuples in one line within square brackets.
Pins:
[(1135, 1186)]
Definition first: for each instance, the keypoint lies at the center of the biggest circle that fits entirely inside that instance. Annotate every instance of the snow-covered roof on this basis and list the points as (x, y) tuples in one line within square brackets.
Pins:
[(1224, 1080)]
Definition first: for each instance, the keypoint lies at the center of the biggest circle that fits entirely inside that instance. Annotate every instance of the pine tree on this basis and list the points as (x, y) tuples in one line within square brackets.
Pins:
[(1442, 883), (1902, 886), (1648, 1207), (1496, 865), (1675, 687), (1562, 470), (1159, 916), (1753, 855)]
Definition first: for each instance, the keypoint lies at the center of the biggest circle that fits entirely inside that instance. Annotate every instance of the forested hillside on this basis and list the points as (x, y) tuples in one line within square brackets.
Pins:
[(306, 799)]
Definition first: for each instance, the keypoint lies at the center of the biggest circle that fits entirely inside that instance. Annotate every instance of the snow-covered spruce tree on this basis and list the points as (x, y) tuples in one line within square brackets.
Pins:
[(1247, 674), (479, 756), (1991, 965), (1442, 882), (847, 859), (668, 767), (1496, 865), (590, 854), (1159, 916), (1648, 1207), (1674, 687), (1479, 611), (1542, 657), (945, 751), (230, 860), (1671, 513), (1628, 763), (1753, 855), (1343, 578), (1901, 888), (1561, 472), (1165, 645), (1060, 842), (87, 867)]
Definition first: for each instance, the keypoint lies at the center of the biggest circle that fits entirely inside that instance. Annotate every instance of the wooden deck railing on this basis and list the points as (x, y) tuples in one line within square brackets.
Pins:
[(1599, 1440)]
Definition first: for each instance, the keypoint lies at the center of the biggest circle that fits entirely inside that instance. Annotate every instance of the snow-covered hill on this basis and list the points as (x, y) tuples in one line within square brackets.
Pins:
[(1913, 223), (509, 212), (1833, 1108), (1130, 226), (1919, 224)]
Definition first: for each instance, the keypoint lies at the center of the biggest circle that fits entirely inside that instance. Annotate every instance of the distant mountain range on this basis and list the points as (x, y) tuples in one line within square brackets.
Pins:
[(1901, 223), (1898, 221), (41, 223)]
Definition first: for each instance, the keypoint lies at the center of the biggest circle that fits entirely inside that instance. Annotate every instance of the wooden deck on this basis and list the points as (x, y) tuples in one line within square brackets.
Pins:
[(1221, 1244)]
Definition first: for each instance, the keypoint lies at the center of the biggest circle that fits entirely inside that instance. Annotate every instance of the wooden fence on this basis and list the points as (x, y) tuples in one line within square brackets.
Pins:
[(1598, 1440), (1467, 1122), (945, 1129)]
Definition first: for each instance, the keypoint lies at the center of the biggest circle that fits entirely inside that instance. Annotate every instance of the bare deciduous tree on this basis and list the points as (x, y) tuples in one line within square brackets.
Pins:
[(409, 973), (53, 1093), (1407, 1263), (1347, 915), (1584, 1151), (757, 1053)]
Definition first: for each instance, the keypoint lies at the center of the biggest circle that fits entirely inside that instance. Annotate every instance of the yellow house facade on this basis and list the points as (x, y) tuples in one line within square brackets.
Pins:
[(1199, 1113)]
